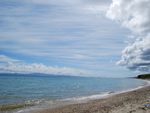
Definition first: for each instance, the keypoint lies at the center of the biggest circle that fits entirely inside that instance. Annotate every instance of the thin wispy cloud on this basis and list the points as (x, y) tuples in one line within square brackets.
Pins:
[(4, 58), (74, 34)]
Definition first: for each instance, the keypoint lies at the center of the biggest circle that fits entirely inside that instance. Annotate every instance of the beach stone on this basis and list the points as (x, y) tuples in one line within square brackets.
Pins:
[(128, 102), (111, 92), (132, 111)]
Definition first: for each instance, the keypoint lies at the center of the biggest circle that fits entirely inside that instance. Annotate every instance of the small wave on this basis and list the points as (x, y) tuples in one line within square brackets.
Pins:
[(148, 82), (27, 106), (31, 105), (73, 99), (14, 106), (132, 89)]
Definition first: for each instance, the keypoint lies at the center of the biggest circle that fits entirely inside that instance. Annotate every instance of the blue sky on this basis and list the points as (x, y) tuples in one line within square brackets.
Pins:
[(78, 37)]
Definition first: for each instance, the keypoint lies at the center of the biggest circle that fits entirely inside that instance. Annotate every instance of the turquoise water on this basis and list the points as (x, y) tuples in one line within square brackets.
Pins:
[(48, 90)]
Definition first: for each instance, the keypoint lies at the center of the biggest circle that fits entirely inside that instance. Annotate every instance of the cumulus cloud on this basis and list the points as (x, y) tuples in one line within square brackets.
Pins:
[(134, 15), (40, 68), (137, 56)]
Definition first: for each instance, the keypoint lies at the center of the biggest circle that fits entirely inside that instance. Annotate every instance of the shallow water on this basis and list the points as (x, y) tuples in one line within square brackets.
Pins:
[(57, 90)]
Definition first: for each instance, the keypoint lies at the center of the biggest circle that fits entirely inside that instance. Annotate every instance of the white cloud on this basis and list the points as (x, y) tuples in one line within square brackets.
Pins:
[(63, 33), (96, 2), (70, 2), (40, 68), (56, 2), (4, 58), (72, 32), (137, 56), (134, 15)]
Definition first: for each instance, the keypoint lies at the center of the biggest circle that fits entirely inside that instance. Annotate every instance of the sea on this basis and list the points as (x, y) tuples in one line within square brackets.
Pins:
[(50, 91)]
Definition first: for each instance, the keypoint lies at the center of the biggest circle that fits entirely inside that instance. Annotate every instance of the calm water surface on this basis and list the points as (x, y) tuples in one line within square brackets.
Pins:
[(42, 90)]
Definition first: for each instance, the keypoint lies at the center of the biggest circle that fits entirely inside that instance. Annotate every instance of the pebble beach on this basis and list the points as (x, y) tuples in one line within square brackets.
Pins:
[(128, 102)]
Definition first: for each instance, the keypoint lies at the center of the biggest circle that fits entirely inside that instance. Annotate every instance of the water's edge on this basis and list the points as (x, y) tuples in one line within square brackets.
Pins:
[(42, 104)]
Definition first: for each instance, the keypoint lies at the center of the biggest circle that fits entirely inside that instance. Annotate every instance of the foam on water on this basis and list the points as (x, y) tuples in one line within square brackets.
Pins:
[(45, 92), (42, 104)]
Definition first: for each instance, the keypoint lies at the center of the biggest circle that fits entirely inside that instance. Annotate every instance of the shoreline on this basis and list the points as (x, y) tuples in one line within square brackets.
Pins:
[(131, 101), (70, 101)]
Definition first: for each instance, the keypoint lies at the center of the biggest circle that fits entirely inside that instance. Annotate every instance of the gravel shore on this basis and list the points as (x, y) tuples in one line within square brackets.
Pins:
[(129, 102)]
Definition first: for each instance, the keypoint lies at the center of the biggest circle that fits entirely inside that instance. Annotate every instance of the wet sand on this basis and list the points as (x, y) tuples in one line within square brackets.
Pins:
[(129, 102)]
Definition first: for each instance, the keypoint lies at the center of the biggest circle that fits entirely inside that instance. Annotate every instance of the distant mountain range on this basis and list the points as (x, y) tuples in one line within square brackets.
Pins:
[(32, 74)]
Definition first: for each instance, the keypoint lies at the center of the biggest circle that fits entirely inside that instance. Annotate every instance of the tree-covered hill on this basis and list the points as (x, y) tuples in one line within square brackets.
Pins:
[(144, 76)]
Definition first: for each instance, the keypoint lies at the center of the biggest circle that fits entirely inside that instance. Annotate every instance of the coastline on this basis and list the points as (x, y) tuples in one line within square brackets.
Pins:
[(131, 101), (36, 106)]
